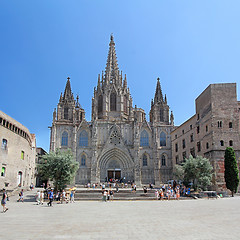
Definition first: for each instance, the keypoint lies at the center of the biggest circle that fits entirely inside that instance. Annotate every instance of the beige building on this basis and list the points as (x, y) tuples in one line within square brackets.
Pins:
[(214, 127), (17, 154)]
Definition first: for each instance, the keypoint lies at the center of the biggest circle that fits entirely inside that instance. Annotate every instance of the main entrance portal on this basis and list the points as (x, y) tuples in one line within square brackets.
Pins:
[(115, 164), (116, 174)]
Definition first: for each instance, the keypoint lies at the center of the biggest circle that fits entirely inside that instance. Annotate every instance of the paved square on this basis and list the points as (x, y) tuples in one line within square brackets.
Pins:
[(186, 219)]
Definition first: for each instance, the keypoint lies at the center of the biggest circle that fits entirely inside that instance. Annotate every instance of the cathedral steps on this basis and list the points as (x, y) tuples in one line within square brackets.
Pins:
[(122, 195)]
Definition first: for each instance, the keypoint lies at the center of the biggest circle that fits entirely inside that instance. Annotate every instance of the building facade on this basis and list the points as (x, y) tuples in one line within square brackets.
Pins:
[(118, 142), (214, 127), (39, 153), (17, 154)]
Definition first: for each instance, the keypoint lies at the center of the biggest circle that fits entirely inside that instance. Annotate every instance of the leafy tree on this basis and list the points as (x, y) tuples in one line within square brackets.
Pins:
[(196, 170), (59, 167), (231, 170), (178, 172)]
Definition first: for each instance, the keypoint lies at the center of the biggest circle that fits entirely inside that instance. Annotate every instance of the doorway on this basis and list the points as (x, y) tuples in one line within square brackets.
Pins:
[(114, 173), (19, 179)]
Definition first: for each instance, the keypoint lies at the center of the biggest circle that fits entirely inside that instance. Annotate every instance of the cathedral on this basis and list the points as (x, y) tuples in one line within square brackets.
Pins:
[(118, 142)]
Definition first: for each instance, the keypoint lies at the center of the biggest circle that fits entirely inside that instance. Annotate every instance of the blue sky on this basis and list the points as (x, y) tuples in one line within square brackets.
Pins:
[(188, 44)]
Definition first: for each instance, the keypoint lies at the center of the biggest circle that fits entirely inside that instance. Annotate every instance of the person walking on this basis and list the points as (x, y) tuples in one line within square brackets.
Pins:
[(21, 196), (72, 196), (50, 197), (4, 201), (38, 196), (41, 197), (63, 196)]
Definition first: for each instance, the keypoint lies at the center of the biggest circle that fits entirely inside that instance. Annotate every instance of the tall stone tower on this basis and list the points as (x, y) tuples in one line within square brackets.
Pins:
[(159, 108), (69, 114), (112, 99)]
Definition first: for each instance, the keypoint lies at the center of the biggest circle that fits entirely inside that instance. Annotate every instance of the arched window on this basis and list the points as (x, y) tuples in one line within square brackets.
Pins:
[(64, 139), (163, 160), (100, 104), (113, 102), (144, 141), (3, 172), (66, 113), (163, 139), (83, 160), (144, 160), (83, 139)]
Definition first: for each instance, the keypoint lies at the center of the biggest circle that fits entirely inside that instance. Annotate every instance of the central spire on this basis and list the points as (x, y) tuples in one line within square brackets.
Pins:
[(158, 94), (112, 70)]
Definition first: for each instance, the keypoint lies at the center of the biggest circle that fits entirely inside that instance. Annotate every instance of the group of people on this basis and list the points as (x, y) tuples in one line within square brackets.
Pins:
[(107, 195), (60, 197), (167, 193)]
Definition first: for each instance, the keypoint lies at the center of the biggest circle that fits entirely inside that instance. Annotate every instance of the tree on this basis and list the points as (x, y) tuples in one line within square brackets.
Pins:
[(231, 170), (196, 170), (59, 167)]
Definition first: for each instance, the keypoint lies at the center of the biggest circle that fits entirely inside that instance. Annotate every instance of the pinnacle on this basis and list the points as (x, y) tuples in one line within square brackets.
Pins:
[(112, 64), (68, 92), (158, 94)]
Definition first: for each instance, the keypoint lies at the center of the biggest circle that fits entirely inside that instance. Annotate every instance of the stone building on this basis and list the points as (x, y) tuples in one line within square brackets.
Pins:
[(118, 142), (214, 127), (39, 153), (17, 154)]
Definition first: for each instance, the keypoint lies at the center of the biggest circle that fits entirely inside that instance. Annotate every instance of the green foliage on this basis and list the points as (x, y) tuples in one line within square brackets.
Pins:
[(196, 170), (231, 173), (59, 167), (178, 172)]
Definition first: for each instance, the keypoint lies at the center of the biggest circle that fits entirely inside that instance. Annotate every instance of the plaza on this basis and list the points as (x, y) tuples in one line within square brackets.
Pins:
[(184, 219)]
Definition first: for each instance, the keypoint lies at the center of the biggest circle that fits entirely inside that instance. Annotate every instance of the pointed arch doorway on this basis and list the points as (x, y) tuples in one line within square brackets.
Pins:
[(115, 163)]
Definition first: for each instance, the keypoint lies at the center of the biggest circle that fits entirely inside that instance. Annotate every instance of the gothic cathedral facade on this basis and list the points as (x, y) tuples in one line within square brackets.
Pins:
[(118, 142)]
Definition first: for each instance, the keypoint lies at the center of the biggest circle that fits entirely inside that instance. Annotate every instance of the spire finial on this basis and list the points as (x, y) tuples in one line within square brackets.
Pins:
[(68, 78), (111, 37)]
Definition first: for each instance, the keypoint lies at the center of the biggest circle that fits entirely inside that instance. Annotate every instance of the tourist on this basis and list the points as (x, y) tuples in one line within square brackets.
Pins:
[(156, 194), (178, 193), (111, 194), (63, 196), (163, 188), (31, 186), (57, 196), (104, 195), (21, 196), (50, 197), (88, 186), (4, 201), (135, 187), (145, 190), (161, 194), (168, 193), (41, 197), (117, 188), (38, 196), (103, 186), (72, 196)]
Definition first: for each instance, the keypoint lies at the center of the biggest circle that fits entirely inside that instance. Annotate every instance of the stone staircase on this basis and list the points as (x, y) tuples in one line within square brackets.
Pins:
[(124, 194)]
